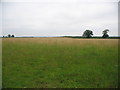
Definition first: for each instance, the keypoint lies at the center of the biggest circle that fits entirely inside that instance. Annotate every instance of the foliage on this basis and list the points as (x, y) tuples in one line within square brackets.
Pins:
[(9, 35), (87, 33), (12, 36), (105, 33)]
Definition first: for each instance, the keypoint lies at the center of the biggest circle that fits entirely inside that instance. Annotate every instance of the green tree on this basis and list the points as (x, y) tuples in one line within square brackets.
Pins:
[(105, 33), (12, 36), (87, 33), (9, 35)]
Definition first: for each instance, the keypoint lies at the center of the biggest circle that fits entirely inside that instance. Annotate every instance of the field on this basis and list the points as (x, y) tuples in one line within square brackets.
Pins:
[(60, 63)]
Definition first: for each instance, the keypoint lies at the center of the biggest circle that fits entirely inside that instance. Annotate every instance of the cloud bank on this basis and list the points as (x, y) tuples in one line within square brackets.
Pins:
[(59, 17)]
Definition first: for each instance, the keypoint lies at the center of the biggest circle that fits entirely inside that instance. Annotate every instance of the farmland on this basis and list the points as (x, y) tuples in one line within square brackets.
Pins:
[(59, 63)]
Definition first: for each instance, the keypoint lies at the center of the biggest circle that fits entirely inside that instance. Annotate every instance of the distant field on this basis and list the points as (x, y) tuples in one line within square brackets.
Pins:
[(60, 63)]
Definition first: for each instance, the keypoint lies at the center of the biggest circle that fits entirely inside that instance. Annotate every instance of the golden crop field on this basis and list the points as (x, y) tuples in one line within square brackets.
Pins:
[(60, 40)]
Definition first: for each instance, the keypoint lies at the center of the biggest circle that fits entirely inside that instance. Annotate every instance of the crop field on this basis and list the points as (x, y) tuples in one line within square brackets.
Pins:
[(59, 63)]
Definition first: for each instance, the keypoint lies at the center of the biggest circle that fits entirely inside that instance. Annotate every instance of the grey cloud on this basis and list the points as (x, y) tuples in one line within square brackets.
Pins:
[(58, 18)]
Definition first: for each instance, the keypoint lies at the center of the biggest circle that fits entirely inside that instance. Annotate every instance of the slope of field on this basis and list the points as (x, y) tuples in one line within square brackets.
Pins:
[(60, 62)]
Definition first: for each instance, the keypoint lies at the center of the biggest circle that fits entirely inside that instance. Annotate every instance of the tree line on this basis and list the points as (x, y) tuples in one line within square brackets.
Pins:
[(86, 34), (9, 36), (89, 33)]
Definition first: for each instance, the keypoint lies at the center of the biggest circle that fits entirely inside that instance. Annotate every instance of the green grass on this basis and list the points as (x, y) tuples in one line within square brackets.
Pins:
[(43, 65), (0, 63)]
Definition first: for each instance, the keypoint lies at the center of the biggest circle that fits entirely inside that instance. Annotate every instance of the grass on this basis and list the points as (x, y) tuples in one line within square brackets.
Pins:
[(60, 63), (0, 63)]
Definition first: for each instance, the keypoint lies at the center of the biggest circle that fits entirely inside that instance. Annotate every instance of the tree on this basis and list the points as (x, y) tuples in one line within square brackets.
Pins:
[(9, 35), (105, 33), (88, 33), (12, 36)]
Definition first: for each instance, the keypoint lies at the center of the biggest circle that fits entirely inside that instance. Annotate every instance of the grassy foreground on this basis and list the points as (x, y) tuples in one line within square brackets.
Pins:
[(60, 62)]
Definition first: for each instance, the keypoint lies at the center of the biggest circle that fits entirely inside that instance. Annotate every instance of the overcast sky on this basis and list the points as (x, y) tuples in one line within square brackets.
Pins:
[(59, 17)]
